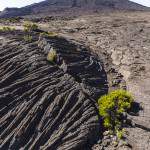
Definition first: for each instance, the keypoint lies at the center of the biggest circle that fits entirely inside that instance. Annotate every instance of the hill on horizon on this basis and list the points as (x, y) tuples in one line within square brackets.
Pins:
[(72, 6)]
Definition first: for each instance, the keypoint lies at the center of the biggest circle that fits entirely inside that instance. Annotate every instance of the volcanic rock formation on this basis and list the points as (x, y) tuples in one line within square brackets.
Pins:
[(48, 105), (59, 7)]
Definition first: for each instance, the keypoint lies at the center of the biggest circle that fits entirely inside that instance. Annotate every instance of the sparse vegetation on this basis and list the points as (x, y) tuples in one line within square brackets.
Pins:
[(10, 20), (28, 38), (112, 107), (52, 55), (48, 34), (29, 27), (6, 28)]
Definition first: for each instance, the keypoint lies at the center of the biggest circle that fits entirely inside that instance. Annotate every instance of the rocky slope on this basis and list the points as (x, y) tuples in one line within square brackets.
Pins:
[(124, 38), (71, 7), (119, 40), (46, 105)]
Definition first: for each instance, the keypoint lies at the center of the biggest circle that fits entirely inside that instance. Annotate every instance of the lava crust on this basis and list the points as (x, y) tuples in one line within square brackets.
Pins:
[(45, 105)]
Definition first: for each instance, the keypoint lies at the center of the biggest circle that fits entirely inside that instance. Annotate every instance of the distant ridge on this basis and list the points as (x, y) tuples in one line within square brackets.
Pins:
[(53, 7)]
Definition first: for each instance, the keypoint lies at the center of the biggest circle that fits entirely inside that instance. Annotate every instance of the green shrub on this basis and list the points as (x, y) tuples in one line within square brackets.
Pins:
[(28, 38), (6, 28), (28, 27), (10, 20), (13, 20), (112, 107), (120, 133), (48, 34), (52, 55)]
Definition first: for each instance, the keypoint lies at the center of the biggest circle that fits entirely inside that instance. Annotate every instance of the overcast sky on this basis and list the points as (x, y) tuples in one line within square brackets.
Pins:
[(143, 2), (21, 3), (16, 3)]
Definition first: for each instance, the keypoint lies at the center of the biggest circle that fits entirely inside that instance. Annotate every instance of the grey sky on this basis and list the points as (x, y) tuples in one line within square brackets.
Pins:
[(21, 3), (16, 3), (143, 2)]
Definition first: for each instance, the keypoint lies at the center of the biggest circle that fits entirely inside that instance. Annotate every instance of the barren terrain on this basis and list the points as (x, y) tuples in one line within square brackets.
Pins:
[(116, 46), (124, 37)]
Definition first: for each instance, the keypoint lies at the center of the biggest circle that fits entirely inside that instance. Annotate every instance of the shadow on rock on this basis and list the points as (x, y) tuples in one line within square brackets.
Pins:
[(135, 108), (49, 105)]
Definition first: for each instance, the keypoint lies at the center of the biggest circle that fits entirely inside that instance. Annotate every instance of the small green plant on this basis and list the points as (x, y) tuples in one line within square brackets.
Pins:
[(6, 28), (10, 20), (29, 27), (51, 57), (27, 38), (48, 34), (120, 133), (112, 107)]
